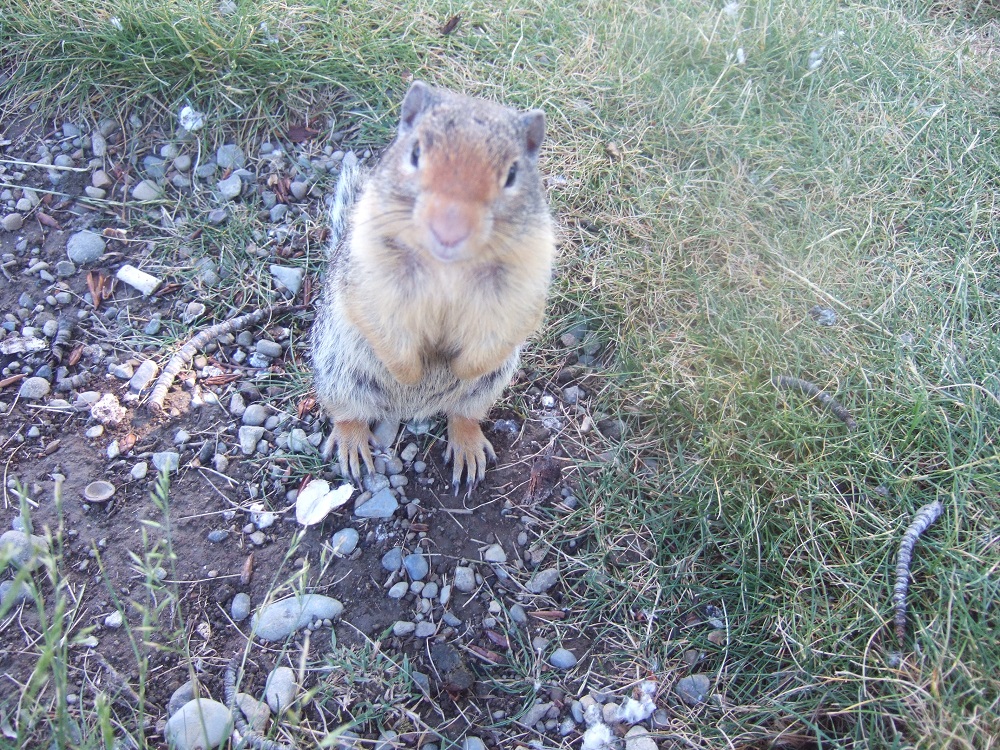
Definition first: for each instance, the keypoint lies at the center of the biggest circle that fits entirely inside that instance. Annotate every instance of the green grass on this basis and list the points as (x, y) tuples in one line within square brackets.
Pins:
[(736, 197)]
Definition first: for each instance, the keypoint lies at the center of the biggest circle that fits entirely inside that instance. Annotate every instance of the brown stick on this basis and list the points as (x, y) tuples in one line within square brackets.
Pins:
[(186, 353)]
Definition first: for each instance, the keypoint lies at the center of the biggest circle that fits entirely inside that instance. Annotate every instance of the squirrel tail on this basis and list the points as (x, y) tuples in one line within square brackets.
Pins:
[(344, 196)]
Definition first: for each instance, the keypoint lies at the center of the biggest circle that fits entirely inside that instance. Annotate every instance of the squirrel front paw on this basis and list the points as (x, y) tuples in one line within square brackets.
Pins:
[(469, 450), (352, 439)]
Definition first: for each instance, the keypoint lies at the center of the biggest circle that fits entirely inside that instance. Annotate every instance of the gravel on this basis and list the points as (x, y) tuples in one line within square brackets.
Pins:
[(393, 560), (249, 437), (143, 376), (20, 549), (12, 222), (542, 581), (147, 190), (255, 415), (166, 460), (85, 247), (231, 187), (637, 738)]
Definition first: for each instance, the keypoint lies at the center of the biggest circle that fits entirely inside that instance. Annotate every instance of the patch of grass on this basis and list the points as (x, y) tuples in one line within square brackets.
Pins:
[(717, 172)]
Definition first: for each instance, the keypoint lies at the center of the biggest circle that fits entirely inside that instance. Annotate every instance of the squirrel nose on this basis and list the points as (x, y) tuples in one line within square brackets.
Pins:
[(451, 225)]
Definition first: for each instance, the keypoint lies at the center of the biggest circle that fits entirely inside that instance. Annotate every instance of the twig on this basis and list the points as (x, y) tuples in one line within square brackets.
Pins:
[(250, 735), (788, 383), (923, 518), (186, 353), (130, 696)]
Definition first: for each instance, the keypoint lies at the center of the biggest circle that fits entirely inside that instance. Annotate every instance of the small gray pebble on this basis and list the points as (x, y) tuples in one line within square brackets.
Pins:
[(398, 590), (403, 628), (416, 566), (694, 689), (465, 579), (393, 559), (85, 247), (218, 535), (425, 629), (255, 415), (240, 607), (344, 542), (562, 658)]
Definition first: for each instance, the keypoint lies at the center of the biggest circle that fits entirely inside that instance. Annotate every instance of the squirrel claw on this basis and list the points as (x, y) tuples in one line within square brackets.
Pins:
[(469, 451), (352, 439)]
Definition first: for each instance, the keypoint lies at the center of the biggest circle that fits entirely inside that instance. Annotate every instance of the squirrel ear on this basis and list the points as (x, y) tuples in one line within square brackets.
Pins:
[(415, 102), (534, 131)]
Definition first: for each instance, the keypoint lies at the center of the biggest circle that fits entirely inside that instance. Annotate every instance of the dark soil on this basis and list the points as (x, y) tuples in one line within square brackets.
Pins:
[(103, 544)]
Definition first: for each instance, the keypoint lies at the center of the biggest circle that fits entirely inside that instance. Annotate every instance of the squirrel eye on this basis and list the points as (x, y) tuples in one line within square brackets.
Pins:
[(511, 175), (415, 155)]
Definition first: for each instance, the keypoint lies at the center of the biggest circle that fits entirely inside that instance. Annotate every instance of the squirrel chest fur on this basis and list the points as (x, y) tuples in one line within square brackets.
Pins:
[(437, 279)]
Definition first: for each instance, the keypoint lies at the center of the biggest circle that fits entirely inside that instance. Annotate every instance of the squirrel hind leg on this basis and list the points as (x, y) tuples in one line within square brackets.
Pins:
[(352, 439), (469, 451)]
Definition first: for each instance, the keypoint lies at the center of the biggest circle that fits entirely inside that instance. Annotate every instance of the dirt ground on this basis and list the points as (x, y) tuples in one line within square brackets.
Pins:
[(104, 543)]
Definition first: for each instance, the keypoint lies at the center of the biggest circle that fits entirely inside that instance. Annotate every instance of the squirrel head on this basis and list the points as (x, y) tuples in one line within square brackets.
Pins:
[(464, 174)]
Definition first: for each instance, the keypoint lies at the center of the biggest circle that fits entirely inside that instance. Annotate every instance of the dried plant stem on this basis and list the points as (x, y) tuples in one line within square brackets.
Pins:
[(250, 735), (186, 353), (923, 518), (788, 383)]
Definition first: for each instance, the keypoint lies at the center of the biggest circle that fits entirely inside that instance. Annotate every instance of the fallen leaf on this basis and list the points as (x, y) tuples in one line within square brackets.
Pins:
[(44, 218), (491, 657), (247, 573), (451, 24), (498, 639), (74, 356), (12, 379), (300, 133), (306, 405)]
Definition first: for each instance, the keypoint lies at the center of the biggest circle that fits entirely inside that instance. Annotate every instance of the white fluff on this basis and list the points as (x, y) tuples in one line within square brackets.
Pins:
[(598, 737)]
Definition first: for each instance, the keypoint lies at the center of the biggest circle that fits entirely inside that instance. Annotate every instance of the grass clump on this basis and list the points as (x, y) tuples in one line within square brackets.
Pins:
[(718, 171)]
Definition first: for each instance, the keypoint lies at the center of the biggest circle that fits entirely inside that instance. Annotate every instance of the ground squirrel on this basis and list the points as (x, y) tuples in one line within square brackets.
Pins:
[(438, 277)]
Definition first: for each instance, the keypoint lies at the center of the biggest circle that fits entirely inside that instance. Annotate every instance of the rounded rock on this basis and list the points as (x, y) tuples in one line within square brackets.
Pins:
[(562, 658), (34, 388), (403, 628), (85, 247), (12, 222), (200, 723), (279, 620), (416, 566), (279, 692), (21, 550), (465, 579), (393, 560), (147, 190), (240, 607), (694, 689), (344, 542), (398, 590)]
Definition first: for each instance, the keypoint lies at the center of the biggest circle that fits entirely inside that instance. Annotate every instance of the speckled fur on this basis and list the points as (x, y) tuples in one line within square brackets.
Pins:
[(403, 333)]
